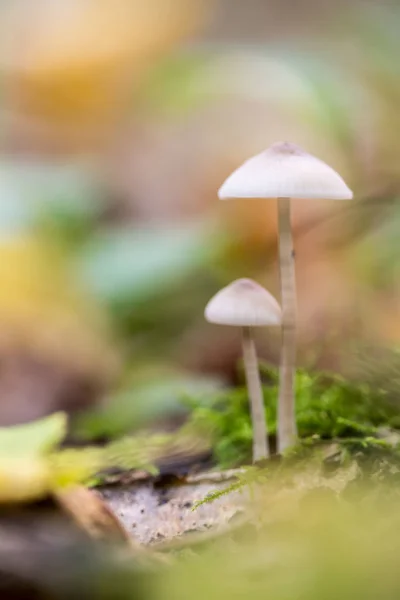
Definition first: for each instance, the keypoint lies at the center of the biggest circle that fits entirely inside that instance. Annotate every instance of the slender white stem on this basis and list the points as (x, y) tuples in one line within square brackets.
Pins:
[(287, 430), (260, 439)]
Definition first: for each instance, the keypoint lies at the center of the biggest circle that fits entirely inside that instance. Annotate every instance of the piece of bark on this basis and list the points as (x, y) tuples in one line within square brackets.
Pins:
[(92, 514)]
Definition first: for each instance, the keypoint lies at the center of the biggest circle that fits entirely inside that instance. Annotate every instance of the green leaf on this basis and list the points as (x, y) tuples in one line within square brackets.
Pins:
[(33, 439), (138, 263), (140, 402), (30, 191)]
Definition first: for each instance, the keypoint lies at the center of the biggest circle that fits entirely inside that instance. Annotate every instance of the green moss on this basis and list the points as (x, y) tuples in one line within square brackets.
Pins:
[(327, 406)]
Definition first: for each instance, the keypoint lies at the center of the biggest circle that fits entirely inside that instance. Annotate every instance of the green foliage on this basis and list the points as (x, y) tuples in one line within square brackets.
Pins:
[(327, 406), (33, 439), (155, 282), (142, 452), (32, 464), (136, 264), (64, 197), (25, 452), (86, 465), (148, 392)]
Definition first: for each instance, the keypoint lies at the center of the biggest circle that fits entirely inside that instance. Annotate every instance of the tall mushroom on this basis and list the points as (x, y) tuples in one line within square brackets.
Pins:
[(285, 171), (244, 303)]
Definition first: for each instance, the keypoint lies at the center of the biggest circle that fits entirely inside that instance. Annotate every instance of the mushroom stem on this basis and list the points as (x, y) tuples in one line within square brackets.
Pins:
[(287, 430), (260, 439)]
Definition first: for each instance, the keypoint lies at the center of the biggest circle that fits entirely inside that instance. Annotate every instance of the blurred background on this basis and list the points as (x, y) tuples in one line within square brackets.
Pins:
[(120, 119)]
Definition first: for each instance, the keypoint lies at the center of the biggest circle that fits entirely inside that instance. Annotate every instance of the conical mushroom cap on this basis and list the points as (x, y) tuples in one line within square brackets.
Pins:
[(243, 303), (285, 171)]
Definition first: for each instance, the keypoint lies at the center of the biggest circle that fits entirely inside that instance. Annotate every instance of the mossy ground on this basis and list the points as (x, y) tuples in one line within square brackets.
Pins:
[(329, 408)]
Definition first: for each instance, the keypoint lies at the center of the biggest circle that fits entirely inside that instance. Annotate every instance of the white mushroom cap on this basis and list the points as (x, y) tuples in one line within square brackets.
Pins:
[(243, 303), (285, 171)]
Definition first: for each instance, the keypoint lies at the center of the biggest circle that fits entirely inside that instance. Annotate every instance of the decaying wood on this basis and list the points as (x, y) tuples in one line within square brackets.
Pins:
[(152, 513)]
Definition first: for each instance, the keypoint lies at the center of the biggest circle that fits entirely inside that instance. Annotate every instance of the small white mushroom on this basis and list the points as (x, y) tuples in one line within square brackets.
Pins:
[(285, 171), (246, 304)]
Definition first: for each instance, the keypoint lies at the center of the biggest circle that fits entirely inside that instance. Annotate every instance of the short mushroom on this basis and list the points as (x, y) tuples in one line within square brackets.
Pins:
[(246, 304), (285, 171)]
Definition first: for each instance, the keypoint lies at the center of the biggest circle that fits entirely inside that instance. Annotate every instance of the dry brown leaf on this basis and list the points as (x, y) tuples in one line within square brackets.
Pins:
[(92, 514)]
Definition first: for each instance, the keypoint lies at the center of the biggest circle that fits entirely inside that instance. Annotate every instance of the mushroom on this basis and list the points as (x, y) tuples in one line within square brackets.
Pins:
[(285, 171), (244, 303)]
